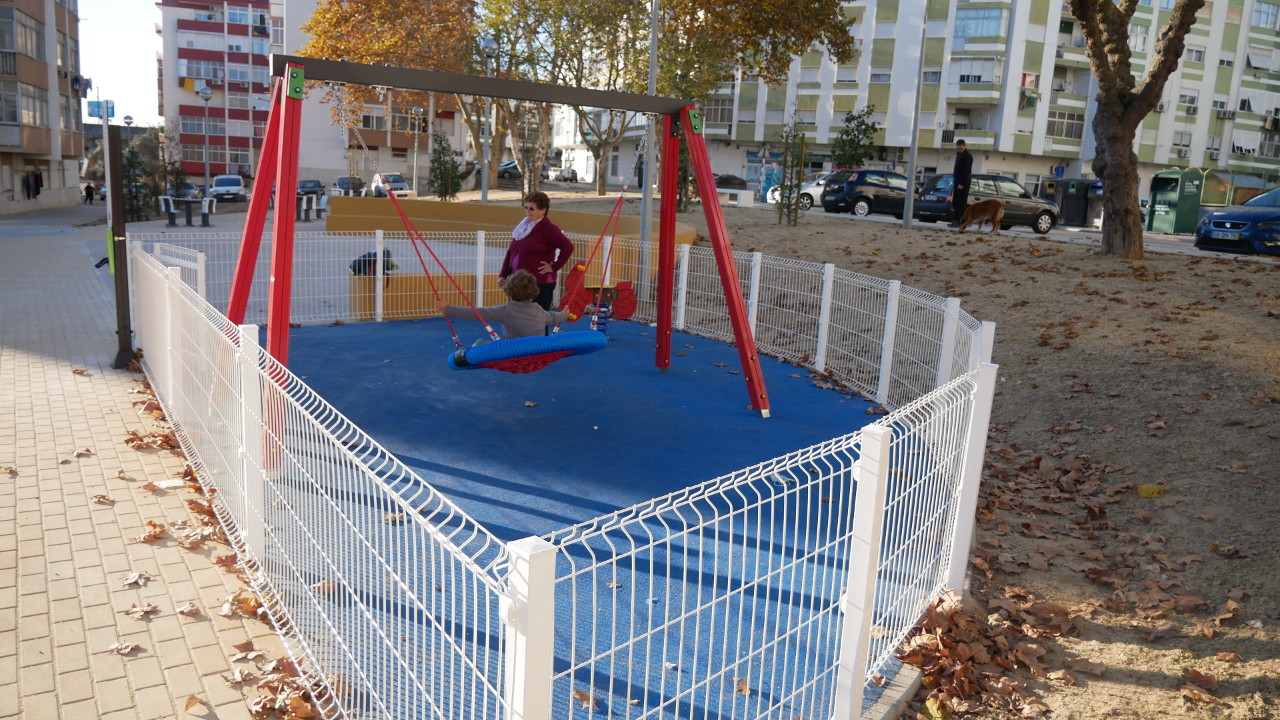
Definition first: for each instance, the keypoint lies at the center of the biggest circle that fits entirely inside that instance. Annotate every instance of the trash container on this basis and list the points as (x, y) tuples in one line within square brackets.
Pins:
[(1175, 200), (1072, 197)]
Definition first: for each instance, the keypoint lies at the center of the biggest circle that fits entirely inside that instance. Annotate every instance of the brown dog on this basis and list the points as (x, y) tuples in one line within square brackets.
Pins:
[(984, 211)]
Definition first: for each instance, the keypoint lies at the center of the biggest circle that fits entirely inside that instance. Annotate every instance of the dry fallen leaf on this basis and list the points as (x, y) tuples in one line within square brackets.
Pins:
[(1150, 490), (530, 403), (140, 612), (741, 687), (238, 676), (139, 578), (102, 500), (122, 648), (393, 518), (613, 585), (189, 610), (192, 701), (1204, 680), (1231, 657), (1087, 666), (584, 697)]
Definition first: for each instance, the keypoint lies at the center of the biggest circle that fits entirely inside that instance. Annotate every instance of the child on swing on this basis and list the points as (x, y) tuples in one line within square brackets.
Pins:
[(520, 315)]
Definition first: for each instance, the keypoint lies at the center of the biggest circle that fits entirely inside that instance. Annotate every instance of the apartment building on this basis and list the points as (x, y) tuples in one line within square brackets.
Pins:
[(41, 136), (223, 47), (1013, 81)]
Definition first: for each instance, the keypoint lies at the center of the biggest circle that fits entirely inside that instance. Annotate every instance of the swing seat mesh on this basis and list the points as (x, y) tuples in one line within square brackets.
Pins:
[(527, 354)]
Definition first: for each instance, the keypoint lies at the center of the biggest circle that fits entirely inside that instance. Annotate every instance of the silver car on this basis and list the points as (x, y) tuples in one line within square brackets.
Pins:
[(810, 190)]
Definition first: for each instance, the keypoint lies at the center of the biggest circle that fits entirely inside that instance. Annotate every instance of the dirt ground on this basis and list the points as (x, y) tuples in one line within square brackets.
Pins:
[(1125, 563)]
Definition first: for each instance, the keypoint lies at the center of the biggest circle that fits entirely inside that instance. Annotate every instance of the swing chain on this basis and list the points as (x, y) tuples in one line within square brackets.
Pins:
[(635, 160)]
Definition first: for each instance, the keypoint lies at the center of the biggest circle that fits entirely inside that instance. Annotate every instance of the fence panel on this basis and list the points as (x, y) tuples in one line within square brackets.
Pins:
[(373, 575)]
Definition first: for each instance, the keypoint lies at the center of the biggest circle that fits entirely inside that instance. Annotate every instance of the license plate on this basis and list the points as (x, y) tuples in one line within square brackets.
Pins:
[(1224, 235)]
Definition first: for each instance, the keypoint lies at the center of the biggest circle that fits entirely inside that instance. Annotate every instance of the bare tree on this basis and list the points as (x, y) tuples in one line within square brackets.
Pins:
[(1122, 103)]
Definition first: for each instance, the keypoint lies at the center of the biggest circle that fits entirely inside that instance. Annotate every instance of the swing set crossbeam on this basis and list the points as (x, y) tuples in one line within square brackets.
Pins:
[(279, 163)]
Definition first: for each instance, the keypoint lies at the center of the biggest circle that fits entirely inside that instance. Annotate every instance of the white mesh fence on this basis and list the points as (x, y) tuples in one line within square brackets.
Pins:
[(734, 598)]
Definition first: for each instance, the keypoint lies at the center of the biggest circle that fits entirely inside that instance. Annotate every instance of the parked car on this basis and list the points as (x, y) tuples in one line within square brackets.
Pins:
[(1251, 227), (863, 192), (730, 182), (1020, 206), (566, 174), (810, 190), (383, 183), (310, 187), (349, 185), (509, 169), (229, 188), (185, 189)]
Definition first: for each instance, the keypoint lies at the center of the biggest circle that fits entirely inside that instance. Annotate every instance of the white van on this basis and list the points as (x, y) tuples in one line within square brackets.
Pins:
[(228, 188)]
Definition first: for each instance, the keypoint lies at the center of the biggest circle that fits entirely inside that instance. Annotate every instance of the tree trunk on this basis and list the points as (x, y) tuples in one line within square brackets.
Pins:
[(1116, 166)]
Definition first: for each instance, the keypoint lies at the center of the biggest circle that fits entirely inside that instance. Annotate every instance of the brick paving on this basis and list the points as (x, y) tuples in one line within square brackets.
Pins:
[(62, 556)]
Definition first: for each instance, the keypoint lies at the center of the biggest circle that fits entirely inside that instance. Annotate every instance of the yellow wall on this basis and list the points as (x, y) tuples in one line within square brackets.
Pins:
[(355, 214)]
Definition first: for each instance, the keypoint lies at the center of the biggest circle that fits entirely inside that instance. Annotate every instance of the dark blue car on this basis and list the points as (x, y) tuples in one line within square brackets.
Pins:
[(1253, 227)]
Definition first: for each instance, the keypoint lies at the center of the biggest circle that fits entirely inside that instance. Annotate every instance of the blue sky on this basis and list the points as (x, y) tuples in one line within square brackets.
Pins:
[(118, 46)]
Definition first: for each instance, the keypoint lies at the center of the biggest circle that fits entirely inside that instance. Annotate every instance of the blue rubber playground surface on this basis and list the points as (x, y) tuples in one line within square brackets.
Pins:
[(588, 435)]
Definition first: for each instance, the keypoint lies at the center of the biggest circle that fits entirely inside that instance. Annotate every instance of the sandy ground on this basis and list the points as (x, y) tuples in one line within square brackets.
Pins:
[(1117, 380)]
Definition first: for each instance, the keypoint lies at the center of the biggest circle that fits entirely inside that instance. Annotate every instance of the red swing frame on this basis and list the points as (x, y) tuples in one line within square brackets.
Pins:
[(279, 165)]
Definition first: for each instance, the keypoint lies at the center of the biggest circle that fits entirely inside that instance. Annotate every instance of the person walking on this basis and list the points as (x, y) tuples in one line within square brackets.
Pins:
[(961, 174), (88, 194)]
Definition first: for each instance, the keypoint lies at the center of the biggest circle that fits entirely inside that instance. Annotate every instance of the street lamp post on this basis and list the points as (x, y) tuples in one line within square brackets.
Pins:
[(417, 130), (490, 49), (206, 94)]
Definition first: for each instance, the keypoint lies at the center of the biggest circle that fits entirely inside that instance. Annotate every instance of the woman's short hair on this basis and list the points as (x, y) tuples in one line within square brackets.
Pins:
[(521, 285), (539, 199)]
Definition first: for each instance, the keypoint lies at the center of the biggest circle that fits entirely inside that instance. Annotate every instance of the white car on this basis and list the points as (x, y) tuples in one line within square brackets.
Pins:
[(229, 188), (810, 190), (388, 182)]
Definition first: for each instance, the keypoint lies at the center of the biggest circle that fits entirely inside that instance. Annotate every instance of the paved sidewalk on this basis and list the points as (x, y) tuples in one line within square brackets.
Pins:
[(63, 556)]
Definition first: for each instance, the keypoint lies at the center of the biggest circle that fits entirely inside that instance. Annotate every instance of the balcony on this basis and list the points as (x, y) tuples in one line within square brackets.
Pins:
[(8, 63), (11, 136)]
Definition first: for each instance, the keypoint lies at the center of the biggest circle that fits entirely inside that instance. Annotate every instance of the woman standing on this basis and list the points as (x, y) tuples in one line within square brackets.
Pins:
[(538, 246)]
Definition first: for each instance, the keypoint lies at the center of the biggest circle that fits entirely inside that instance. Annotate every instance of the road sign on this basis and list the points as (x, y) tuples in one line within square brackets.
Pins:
[(96, 108)]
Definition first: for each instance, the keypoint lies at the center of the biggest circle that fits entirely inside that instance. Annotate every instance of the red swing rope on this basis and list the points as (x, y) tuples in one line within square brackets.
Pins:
[(416, 237)]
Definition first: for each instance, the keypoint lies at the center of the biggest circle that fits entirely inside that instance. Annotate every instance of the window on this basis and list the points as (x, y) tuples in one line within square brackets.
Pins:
[(201, 41), (1246, 104), (1030, 80), (8, 101), (239, 128), (809, 74), (978, 23), (261, 19), (261, 46), (747, 117), (774, 117), (1167, 4), (237, 15), (1065, 125), (849, 73), (238, 156), (806, 117), (1138, 38), (718, 110), (1270, 145), (1266, 15), (34, 106), (1033, 183), (973, 71), (238, 73), (30, 35), (1194, 54), (206, 69), (70, 106), (277, 31), (1258, 59), (932, 76), (1189, 98), (260, 74), (373, 122), (217, 154), (1009, 188), (1226, 62), (881, 75), (1182, 139), (193, 153), (238, 100), (235, 45), (1213, 142)]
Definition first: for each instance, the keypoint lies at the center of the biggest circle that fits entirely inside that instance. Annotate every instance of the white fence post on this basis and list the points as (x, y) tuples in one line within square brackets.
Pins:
[(858, 603), (479, 294), (889, 338), (950, 321), (251, 491), (753, 300), (971, 476), (529, 617), (986, 341), (682, 280), (824, 317), (171, 324), (202, 260), (380, 244)]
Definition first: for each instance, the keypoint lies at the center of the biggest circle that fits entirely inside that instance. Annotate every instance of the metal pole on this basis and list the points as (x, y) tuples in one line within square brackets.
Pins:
[(650, 130), (206, 143), (909, 209), (417, 118)]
